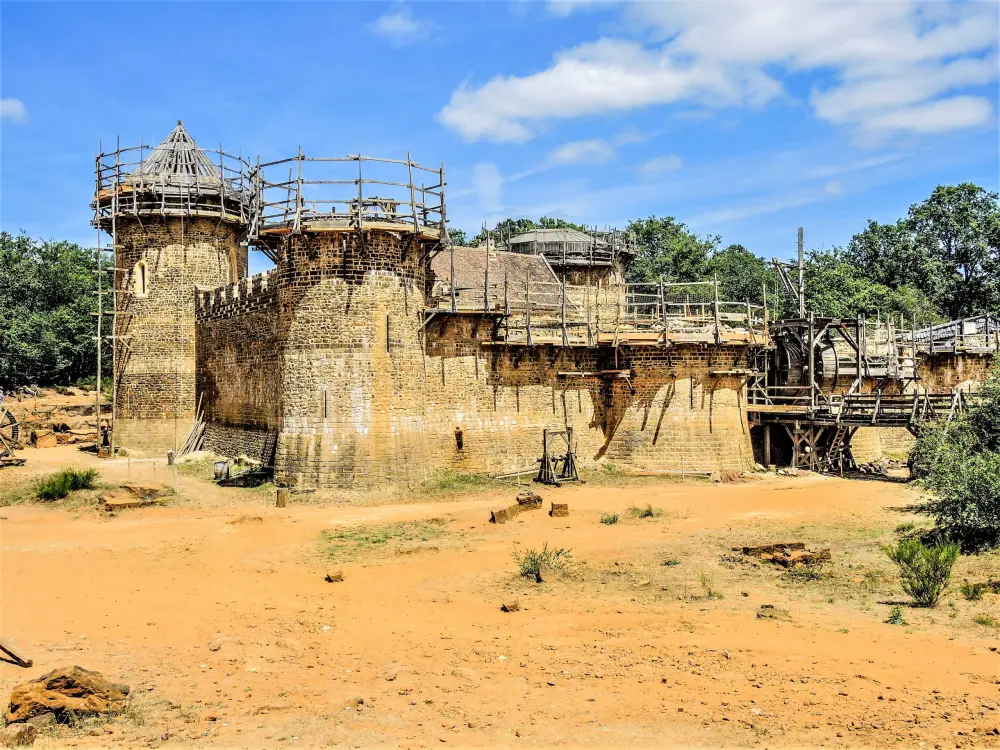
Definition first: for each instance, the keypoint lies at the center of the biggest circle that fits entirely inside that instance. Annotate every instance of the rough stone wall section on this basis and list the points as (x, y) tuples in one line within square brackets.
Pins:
[(238, 367), (163, 260), (351, 306)]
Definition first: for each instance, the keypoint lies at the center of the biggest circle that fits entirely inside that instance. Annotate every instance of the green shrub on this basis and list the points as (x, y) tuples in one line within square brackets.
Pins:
[(973, 592), (924, 570), (532, 562), (57, 486), (986, 621), (707, 581), (896, 616), (960, 465), (648, 512), (609, 519)]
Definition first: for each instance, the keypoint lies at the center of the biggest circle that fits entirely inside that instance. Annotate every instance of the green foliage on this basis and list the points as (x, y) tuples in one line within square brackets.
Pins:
[(457, 237), (741, 274), (47, 333), (896, 616), (447, 480), (924, 570), (986, 621), (513, 227), (959, 226), (666, 250), (648, 512), (350, 541), (838, 287), (609, 519), (960, 465), (707, 582), (972, 592), (532, 562), (59, 485), (947, 249)]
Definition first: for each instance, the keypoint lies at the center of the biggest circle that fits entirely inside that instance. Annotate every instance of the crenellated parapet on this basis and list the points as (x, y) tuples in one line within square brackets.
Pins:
[(247, 295)]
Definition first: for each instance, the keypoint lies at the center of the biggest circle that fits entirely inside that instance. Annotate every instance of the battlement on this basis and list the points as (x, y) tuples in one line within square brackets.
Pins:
[(255, 293)]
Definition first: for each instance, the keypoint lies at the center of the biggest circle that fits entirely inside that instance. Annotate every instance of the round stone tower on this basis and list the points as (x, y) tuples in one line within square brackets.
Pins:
[(178, 217), (352, 258)]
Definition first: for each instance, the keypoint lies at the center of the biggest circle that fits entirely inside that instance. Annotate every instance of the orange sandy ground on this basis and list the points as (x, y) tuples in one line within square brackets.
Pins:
[(621, 650)]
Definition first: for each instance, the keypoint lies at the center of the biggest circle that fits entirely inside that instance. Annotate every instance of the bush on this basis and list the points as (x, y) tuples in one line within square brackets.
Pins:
[(986, 621), (532, 562), (924, 570), (960, 465), (973, 592), (896, 616), (707, 581), (58, 486), (648, 512), (609, 519)]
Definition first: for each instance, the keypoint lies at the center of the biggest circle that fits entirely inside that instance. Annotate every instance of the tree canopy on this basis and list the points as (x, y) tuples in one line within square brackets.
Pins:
[(47, 335), (666, 250)]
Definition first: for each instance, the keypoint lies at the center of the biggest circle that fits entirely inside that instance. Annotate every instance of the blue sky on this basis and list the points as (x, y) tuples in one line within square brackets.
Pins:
[(744, 120)]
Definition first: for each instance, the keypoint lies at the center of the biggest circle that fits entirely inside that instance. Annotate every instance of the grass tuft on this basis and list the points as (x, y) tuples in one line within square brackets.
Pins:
[(972, 592), (707, 581), (532, 562), (896, 616), (59, 485), (446, 480), (609, 519), (349, 541), (986, 621), (648, 512)]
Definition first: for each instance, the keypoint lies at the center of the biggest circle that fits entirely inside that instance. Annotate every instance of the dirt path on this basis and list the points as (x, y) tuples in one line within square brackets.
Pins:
[(217, 612)]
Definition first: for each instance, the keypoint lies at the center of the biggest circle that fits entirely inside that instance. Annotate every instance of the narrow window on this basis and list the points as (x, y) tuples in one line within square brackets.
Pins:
[(140, 279)]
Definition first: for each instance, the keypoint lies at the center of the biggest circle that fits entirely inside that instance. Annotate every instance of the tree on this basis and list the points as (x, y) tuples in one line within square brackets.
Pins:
[(741, 274), (959, 226), (668, 251), (47, 334), (889, 254), (837, 287), (513, 227), (457, 237)]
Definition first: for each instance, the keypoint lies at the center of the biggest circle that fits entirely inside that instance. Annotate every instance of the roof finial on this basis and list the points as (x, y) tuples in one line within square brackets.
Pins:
[(180, 123)]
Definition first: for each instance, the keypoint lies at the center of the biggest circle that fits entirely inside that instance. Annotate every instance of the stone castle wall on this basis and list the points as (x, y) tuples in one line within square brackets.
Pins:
[(238, 373), (156, 329)]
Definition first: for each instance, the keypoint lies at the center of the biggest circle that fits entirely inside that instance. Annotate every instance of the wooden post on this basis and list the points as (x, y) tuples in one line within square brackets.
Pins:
[(527, 307), (565, 337), (812, 363), (767, 445), (486, 282), (718, 332), (281, 499), (413, 194), (454, 302)]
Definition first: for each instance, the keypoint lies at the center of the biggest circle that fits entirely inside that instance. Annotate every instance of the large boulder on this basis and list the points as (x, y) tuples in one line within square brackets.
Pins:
[(66, 691)]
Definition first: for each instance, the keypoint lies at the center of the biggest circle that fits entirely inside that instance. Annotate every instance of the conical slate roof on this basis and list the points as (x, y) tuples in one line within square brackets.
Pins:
[(178, 161)]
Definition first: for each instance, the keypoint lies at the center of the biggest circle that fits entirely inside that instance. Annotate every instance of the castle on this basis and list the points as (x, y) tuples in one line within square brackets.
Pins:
[(376, 351)]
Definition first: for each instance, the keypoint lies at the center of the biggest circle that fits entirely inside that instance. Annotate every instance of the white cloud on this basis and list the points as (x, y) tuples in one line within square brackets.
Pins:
[(487, 183), (879, 61), (833, 188), (401, 27), (595, 151), (13, 110), (935, 117), (661, 165)]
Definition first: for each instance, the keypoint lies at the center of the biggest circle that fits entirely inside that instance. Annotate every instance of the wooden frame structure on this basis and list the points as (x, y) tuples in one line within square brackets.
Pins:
[(335, 194), (528, 312), (556, 467), (10, 435)]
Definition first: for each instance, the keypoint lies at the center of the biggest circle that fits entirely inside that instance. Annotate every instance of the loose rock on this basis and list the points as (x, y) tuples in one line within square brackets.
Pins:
[(68, 689), (18, 735)]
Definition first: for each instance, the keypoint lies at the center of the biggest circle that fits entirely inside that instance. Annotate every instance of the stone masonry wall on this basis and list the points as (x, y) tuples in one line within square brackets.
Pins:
[(156, 367), (350, 309), (238, 375)]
